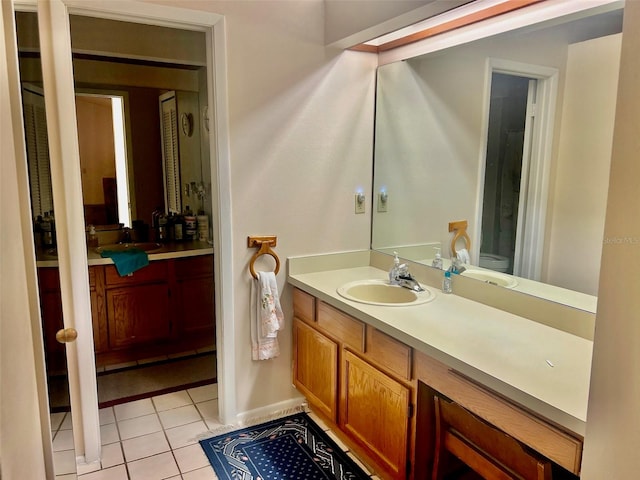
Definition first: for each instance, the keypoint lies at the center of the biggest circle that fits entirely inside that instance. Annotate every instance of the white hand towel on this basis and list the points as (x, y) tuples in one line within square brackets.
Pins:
[(267, 317), (463, 256)]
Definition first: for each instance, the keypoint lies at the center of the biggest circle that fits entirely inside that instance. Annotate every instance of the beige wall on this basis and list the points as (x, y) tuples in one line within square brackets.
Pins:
[(584, 157), (613, 436), (301, 121)]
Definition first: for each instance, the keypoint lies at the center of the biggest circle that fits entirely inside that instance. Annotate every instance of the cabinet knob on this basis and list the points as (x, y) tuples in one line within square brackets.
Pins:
[(66, 335)]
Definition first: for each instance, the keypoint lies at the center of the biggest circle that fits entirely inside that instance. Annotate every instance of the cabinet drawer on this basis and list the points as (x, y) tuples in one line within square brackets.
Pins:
[(559, 446), (304, 306), (153, 272), (388, 353), (201, 266), (341, 327)]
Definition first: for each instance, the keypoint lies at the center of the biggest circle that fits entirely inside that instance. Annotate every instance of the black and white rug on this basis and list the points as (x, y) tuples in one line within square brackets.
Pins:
[(289, 448)]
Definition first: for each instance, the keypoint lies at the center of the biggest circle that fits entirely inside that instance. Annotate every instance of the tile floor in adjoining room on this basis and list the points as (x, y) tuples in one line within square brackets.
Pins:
[(150, 439)]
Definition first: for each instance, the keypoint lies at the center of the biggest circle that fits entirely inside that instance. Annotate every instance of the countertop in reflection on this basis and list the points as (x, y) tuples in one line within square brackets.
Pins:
[(44, 257)]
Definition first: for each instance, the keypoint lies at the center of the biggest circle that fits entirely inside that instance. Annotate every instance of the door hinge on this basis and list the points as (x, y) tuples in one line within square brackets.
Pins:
[(410, 410)]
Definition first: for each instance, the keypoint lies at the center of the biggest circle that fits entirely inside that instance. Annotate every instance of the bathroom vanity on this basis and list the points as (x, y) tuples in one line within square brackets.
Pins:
[(163, 308), (372, 372)]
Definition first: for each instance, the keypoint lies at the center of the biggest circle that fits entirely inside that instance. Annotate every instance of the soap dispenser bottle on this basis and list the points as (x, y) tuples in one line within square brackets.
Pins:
[(437, 262), (395, 270), (92, 238)]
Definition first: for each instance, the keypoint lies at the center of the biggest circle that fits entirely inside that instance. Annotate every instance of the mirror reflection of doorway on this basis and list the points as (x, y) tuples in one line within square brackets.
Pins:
[(103, 158), (504, 188)]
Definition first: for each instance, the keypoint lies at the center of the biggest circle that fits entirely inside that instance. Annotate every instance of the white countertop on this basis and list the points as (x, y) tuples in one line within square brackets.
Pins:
[(165, 252), (544, 369)]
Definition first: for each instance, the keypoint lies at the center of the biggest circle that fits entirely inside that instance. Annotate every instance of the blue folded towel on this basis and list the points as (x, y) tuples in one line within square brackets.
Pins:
[(127, 261)]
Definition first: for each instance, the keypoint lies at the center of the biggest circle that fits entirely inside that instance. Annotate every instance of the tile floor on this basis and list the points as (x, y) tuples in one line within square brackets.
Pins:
[(150, 439)]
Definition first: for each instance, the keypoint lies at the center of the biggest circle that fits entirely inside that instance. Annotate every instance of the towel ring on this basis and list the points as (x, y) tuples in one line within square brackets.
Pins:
[(265, 244), (461, 232)]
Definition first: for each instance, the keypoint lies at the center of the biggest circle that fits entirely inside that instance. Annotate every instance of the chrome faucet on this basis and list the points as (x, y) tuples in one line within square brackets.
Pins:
[(401, 276)]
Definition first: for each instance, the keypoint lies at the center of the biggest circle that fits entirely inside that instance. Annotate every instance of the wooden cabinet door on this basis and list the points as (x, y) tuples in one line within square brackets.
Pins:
[(375, 413), (315, 368), (138, 314), (195, 309)]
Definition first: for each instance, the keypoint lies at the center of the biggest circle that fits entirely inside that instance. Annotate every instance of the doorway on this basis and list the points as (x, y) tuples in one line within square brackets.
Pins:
[(66, 186), (510, 95), (514, 182)]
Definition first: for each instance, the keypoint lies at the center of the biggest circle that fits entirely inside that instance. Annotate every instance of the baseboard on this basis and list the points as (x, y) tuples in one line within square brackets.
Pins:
[(269, 412), (260, 415)]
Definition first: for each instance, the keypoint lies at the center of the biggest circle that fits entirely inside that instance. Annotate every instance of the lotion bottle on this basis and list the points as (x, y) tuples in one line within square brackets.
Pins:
[(446, 283), (394, 272), (437, 262)]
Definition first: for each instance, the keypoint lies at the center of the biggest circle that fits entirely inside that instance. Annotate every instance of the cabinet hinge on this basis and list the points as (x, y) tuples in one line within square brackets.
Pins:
[(410, 410)]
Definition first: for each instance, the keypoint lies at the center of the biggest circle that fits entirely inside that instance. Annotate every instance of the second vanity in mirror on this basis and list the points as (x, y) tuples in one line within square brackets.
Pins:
[(460, 135), (142, 120)]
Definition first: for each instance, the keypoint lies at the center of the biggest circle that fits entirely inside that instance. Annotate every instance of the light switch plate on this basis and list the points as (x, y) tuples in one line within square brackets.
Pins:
[(382, 205), (360, 202)]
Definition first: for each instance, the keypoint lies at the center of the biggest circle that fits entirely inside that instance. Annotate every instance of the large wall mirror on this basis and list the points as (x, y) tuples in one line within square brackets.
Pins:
[(513, 134), (138, 151)]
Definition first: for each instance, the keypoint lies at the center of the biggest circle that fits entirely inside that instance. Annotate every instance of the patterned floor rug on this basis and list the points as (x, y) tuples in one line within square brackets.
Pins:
[(290, 448)]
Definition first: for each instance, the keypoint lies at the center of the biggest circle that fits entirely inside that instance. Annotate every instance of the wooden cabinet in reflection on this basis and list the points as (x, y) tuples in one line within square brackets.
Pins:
[(162, 309)]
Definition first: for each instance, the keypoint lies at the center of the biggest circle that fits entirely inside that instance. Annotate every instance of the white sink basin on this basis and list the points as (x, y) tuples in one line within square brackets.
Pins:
[(121, 247), (380, 292), (494, 278)]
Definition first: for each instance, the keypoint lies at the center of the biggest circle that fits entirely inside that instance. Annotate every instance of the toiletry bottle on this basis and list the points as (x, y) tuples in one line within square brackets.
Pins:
[(190, 224), (203, 226), (47, 231), (52, 221), (162, 228), (178, 228), (393, 273), (437, 262), (455, 265), (92, 238), (170, 227), (154, 222), (446, 283), (37, 231)]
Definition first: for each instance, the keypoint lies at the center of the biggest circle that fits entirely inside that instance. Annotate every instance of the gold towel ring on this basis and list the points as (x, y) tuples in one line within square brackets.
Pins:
[(461, 232), (265, 244)]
